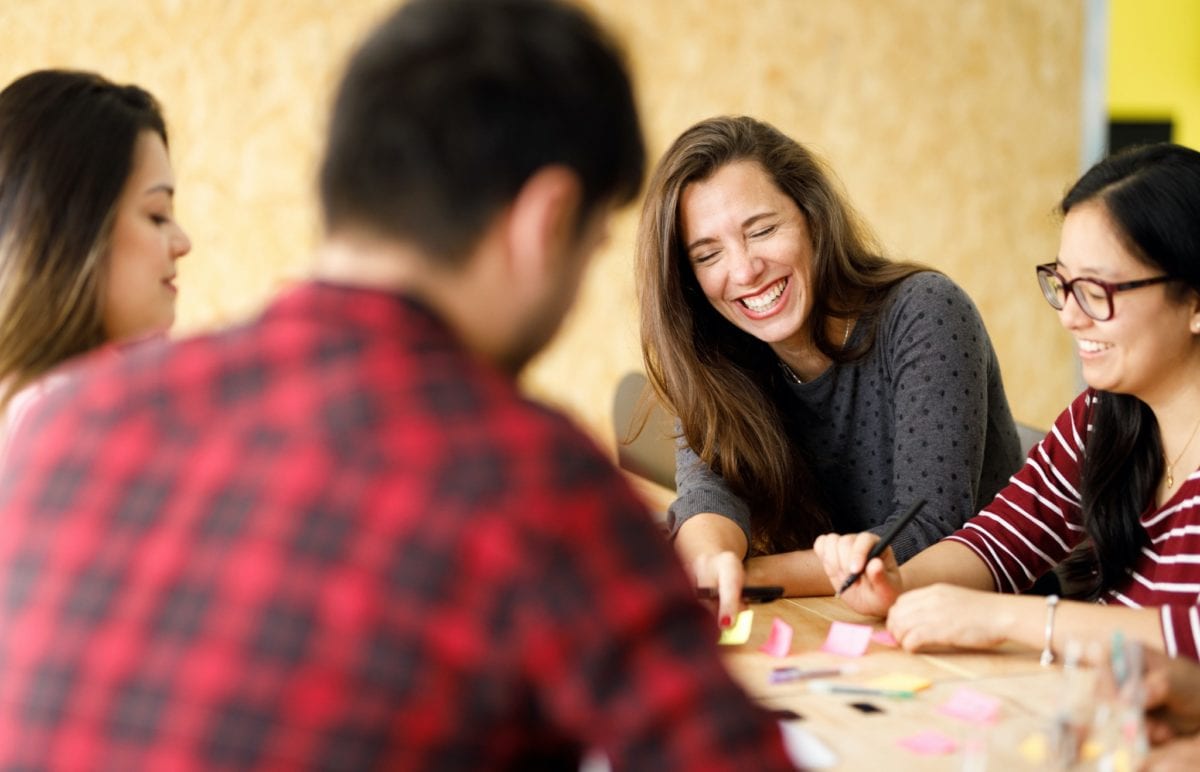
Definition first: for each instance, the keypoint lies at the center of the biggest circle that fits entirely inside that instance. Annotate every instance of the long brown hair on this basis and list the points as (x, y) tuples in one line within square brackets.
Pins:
[(67, 144), (724, 384)]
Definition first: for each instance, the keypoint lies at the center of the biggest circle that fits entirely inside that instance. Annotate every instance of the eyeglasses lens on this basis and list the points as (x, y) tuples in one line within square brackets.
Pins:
[(1052, 288), (1093, 298)]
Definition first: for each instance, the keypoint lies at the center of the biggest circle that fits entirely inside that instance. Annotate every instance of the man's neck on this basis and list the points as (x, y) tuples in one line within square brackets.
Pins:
[(359, 260), (464, 299)]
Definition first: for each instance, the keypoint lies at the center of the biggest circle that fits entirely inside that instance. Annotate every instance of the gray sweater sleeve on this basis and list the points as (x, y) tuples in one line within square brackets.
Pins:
[(702, 490)]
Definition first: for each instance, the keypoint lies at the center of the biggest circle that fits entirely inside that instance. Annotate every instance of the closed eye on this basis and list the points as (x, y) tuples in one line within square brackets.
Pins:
[(767, 231)]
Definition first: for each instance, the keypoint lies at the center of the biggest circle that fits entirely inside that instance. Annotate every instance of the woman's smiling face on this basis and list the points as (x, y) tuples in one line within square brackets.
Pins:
[(749, 246), (1139, 350), (146, 243)]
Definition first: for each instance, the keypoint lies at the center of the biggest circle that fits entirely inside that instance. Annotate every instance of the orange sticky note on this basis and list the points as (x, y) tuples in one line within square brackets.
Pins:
[(900, 682)]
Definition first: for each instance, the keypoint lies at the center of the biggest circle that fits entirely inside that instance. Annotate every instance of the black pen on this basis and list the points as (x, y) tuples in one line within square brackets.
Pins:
[(750, 594), (883, 543)]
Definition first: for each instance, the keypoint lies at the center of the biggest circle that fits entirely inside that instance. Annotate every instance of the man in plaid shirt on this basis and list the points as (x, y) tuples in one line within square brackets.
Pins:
[(337, 537)]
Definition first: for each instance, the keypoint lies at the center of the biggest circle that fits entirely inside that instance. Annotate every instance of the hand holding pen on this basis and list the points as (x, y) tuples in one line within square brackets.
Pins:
[(846, 560)]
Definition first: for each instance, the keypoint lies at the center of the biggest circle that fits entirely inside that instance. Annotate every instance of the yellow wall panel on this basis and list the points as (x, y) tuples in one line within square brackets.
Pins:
[(952, 123), (1154, 64)]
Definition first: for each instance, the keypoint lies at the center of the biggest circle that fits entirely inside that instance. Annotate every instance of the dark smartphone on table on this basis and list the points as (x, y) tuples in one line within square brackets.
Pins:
[(750, 593)]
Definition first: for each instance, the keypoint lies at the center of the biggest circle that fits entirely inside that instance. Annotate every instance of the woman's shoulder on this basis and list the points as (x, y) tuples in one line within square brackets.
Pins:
[(929, 296), (929, 287), (24, 400)]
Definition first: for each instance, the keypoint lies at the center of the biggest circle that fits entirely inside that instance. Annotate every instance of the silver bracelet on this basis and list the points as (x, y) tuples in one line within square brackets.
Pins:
[(1047, 649)]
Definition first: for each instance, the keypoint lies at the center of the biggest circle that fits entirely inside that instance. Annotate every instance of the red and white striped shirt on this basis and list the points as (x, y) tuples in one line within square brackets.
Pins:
[(1034, 521)]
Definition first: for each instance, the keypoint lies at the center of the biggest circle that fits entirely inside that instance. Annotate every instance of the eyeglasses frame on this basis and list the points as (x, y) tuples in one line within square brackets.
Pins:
[(1109, 288)]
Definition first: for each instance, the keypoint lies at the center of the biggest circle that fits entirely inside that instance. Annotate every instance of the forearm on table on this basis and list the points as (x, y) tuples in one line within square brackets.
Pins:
[(708, 533), (799, 573), (949, 562), (1023, 617)]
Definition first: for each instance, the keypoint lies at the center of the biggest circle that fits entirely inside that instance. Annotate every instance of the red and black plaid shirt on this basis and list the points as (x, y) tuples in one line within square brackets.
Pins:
[(332, 539)]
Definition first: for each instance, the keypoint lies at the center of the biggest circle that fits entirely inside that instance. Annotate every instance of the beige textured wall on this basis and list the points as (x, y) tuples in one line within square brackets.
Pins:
[(952, 123)]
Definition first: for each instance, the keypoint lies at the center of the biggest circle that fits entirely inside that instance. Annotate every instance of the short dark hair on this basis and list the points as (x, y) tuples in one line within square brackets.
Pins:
[(67, 142), (450, 106)]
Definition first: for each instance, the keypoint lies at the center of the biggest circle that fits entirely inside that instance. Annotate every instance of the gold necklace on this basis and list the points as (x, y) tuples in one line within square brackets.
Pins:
[(792, 373), (1171, 465)]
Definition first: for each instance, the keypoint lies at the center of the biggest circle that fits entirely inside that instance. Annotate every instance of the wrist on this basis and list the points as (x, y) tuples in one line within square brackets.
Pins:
[(756, 571)]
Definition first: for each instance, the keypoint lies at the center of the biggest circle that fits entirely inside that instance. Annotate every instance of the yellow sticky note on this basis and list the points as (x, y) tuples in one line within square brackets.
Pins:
[(1033, 749), (740, 632), (905, 682)]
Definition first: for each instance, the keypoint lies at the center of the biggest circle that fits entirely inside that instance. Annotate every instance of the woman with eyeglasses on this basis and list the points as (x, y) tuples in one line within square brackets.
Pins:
[(1111, 496)]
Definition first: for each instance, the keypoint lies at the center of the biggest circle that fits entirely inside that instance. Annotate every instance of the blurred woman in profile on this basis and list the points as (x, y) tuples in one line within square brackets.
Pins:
[(88, 236)]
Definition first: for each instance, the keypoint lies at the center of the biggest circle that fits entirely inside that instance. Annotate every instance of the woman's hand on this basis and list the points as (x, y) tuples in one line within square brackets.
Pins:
[(947, 616), (879, 586), (1176, 756), (724, 572), (1172, 690)]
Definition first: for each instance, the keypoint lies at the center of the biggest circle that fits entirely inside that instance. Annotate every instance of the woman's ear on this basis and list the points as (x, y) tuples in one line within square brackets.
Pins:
[(1193, 300), (542, 221)]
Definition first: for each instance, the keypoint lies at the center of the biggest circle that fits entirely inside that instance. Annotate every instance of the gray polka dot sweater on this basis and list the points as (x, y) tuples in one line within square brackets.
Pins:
[(922, 415)]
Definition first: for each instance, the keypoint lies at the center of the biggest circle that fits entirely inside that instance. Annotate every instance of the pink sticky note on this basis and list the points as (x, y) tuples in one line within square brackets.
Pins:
[(884, 637), (847, 639), (929, 742), (779, 642), (971, 705)]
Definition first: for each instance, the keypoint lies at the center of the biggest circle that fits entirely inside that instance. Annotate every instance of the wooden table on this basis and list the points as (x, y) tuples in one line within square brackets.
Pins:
[(1029, 693)]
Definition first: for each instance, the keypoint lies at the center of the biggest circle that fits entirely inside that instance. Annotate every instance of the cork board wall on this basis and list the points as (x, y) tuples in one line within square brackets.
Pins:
[(953, 125)]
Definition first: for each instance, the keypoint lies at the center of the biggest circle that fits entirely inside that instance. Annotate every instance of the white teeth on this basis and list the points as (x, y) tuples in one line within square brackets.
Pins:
[(1092, 346), (765, 300)]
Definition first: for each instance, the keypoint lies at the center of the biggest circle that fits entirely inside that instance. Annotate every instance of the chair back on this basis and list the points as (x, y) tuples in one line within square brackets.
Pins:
[(651, 454)]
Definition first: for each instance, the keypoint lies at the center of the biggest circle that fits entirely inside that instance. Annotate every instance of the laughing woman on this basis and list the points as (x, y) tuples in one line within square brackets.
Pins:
[(818, 386), (88, 237), (1113, 491)]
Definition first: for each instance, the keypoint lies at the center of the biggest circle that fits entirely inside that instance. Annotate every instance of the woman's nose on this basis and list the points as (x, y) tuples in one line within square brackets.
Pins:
[(180, 243), (1071, 315), (747, 267)]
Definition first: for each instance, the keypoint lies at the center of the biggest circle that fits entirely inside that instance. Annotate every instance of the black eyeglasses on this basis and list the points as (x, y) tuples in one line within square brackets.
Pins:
[(1095, 297)]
